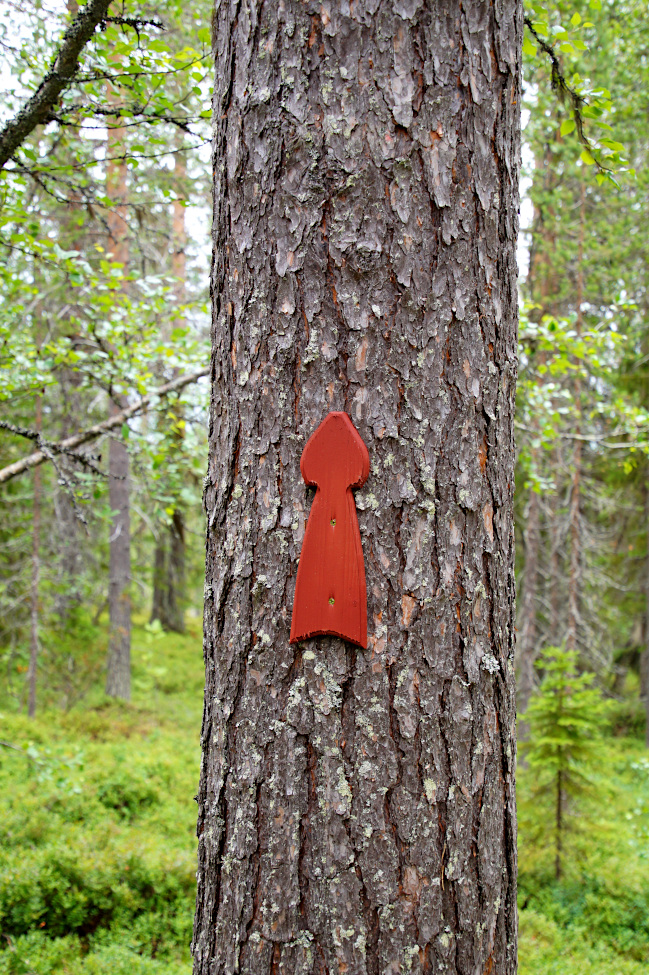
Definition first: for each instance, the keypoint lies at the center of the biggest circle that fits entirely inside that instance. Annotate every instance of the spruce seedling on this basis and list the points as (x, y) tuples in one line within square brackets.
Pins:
[(566, 717)]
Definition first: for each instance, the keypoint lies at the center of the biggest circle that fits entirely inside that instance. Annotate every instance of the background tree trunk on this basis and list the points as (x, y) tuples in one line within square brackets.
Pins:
[(36, 571), (556, 542), (574, 578), (527, 634), (644, 656), (169, 553), (356, 807), (169, 574), (70, 542), (118, 676)]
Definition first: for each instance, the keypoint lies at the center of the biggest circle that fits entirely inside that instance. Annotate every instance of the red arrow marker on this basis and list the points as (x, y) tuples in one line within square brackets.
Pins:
[(330, 594)]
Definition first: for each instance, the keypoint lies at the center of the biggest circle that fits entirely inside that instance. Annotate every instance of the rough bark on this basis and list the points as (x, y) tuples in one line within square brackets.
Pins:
[(357, 808), (574, 577), (37, 109)]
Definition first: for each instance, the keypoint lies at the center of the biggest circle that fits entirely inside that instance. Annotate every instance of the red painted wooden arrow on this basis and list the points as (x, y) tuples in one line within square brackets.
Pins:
[(330, 595)]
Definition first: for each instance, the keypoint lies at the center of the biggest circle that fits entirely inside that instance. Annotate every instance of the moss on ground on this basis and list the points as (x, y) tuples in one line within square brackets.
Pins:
[(97, 824), (97, 839)]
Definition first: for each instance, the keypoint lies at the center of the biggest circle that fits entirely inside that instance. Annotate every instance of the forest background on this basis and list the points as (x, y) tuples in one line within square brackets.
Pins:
[(104, 234)]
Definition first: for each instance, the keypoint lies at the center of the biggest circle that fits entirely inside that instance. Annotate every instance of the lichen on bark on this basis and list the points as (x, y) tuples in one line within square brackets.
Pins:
[(357, 808)]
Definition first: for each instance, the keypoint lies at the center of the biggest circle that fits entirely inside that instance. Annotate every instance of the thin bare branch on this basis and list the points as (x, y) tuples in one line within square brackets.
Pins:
[(71, 443)]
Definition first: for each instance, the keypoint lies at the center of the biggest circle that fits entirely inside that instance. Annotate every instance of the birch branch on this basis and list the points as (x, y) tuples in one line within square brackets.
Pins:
[(37, 109), (69, 445)]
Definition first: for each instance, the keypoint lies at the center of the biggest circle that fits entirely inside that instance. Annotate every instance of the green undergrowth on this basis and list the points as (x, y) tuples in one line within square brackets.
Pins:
[(97, 823), (97, 838), (594, 919)]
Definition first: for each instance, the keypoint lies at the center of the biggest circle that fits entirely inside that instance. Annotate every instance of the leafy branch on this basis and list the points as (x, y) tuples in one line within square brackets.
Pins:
[(581, 107), (560, 84), (37, 109)]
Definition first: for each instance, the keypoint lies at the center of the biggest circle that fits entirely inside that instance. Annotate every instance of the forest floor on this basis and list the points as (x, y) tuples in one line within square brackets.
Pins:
[(97, 839)]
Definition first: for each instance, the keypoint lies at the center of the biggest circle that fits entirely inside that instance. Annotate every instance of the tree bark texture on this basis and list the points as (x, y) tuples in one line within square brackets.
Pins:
[(557, 541), (357, 808)]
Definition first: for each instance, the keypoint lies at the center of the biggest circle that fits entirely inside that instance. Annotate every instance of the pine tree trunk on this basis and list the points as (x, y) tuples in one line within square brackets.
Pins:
[(356, 807), (176, 573), (176, 562), (68, 544), (118, 676), (575, 550)]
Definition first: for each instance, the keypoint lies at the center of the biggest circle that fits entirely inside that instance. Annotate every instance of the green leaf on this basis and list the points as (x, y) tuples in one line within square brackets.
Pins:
[(529, 49), (567, 126), (587, 158), (611, 144)]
